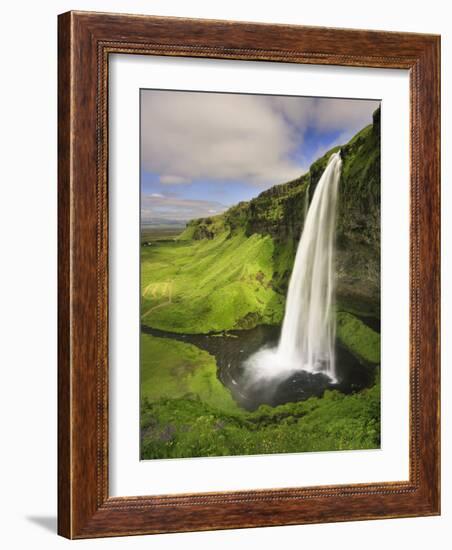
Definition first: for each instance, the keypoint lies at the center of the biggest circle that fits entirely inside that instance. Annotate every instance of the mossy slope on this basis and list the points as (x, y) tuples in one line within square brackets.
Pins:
[(172, 369), (210, 285)]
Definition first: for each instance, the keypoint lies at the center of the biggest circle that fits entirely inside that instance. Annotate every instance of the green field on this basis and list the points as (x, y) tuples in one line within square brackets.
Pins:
[(149, 233)]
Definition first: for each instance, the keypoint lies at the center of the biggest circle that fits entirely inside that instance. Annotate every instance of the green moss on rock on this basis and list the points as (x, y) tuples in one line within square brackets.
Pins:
[(358, 338)]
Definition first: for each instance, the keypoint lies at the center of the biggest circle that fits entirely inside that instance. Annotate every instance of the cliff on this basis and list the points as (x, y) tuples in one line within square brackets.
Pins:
[(280, 212)]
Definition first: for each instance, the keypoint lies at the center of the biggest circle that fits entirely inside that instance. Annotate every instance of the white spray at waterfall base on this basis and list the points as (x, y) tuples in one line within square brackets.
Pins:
[(307, 340)]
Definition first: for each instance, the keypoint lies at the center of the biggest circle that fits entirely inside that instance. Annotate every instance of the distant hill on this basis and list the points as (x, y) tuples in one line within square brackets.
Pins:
[(157, 222)]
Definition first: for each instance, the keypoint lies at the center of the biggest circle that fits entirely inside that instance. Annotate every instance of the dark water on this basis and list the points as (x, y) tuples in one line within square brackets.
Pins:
[(231, 351)]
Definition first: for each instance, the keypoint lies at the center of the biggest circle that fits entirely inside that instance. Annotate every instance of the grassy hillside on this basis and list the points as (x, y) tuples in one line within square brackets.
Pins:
[(171, 369), (209, 285)]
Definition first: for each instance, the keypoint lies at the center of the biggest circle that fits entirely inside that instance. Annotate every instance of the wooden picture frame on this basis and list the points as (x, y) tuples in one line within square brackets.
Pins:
[(85, 42)]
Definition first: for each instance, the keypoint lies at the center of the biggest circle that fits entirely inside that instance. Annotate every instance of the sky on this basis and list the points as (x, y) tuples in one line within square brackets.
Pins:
[(202, 152)]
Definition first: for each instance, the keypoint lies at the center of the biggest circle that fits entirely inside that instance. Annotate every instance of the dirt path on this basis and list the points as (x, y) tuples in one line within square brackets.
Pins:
[(153, 287)]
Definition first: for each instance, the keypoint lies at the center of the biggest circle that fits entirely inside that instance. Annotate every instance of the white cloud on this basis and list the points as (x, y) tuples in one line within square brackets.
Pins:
[(188, 136), (173, 179), (156, 206), (346, 115), (326, 114), (252, 138)]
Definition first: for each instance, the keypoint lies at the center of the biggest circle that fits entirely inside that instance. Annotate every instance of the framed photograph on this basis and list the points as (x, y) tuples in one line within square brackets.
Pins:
[(248, 275)]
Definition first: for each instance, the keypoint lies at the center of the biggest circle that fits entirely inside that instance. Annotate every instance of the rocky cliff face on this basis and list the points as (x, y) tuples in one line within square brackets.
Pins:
[(358, 226), (280, 212)]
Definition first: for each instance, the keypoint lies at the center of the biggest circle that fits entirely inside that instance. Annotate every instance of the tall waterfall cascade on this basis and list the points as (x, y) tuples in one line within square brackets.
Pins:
[(307, 340)]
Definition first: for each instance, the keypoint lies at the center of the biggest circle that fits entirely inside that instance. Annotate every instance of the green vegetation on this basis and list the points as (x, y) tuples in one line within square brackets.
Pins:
[(187, 412), (171, 369), (209, 285), (358, 338), (175, 428)]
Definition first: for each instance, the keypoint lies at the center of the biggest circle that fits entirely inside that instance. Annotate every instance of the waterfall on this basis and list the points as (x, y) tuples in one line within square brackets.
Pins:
[(307, 338), (308, 330)]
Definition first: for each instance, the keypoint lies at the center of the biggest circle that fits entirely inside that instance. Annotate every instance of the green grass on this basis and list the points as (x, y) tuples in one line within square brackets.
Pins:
[(177, 428), (171, 369), (209, 285)]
